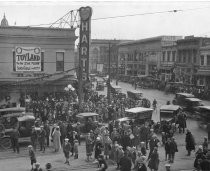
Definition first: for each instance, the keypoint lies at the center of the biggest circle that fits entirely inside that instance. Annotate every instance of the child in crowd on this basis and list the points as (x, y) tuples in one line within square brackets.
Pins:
[(32, 156), (76, 152), (66, 150)]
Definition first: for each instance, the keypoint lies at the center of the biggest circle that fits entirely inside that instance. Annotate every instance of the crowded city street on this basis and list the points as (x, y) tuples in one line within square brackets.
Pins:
[(104, 85), (181, 162)]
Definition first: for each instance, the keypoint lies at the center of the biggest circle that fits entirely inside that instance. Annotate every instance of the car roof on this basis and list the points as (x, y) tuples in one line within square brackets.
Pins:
[(13, 109), (194, 99), (81, 115), (186, 94), (26, 117), (115, 86), (18, 114), (123, 119), (138, 110), (135, 91), (205, 107), (170, 107)]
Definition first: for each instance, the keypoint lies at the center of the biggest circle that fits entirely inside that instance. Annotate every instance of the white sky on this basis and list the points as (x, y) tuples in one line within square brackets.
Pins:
[(191, 22)]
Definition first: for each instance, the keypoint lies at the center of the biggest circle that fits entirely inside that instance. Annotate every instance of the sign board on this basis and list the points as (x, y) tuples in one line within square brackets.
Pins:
[(100, 67), (28, 58), (84, 41)]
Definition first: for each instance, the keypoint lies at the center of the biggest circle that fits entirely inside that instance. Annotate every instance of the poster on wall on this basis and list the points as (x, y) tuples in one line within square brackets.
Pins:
[(28, 58)]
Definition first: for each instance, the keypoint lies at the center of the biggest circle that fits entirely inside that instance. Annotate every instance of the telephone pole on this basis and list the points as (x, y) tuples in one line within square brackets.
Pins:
[(109, 74)]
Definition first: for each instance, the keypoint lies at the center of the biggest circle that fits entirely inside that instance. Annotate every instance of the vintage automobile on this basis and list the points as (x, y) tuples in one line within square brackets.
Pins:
[(115, 89), (135, 95), (100, 86), (139, 115), (169, 112), (20, 120), (180, 98), (192, 104), (88, 121), (203, 115)]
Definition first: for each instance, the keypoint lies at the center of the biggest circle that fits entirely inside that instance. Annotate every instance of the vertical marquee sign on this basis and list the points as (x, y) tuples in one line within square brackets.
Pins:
[(84, 41)]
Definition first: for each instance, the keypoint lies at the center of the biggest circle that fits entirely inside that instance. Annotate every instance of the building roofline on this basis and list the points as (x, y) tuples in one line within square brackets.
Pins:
[(36, 28), (147, 40)]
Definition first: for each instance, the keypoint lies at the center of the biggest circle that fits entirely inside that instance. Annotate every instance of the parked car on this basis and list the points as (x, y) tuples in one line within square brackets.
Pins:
[(134, 94), (169, 112), (11, 118), (180, 98), (203, 115), (140, 115), (88, 121)]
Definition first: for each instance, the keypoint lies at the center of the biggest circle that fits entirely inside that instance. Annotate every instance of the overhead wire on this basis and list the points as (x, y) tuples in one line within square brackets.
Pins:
[(122, 16)]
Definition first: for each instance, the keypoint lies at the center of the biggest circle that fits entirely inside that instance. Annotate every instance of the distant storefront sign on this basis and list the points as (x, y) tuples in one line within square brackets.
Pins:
[(28, 58), (100, 67), (85, 17)]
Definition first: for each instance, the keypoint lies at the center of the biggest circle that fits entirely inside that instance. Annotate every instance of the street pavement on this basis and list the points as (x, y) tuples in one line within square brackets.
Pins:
[(20, 162)]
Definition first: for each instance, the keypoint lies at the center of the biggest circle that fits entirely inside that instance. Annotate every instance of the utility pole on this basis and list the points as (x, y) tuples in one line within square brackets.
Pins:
[(117, 65), (109, 74)]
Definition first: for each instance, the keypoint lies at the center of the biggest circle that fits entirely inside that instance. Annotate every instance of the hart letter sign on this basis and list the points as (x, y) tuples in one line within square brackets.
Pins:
[(84, 41)]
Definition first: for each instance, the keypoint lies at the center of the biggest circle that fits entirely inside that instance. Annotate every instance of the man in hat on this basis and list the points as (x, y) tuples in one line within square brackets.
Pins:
[(37, 167), (125, 163), (66, 150), (205, 164), (34, 138), (98, 147), (42, 136), (102, 163), (14, 139), (31, 155)]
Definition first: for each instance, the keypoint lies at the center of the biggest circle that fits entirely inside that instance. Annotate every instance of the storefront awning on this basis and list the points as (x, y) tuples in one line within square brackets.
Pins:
[(203, 72)]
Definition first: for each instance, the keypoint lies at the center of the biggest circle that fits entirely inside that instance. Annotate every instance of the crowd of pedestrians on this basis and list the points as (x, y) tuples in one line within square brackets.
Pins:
[(126, 145)]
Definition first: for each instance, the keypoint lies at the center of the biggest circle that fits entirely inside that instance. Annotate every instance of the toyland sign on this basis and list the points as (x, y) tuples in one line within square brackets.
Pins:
[(84, 42), (28, 58)]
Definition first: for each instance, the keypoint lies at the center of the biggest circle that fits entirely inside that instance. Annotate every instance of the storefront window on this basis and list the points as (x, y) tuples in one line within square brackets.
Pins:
[(164, 54), (59, 61), (202, 60), (168, 56), (173, 56), (208, 59)]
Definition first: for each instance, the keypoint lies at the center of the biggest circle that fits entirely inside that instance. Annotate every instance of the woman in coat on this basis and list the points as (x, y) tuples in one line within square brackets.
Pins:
[(56, 139), (154, 160), (190, 142), (107, 145), (89, 144)]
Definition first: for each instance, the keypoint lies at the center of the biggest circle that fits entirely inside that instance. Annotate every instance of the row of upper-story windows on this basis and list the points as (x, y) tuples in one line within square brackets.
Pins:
[(59, 61), (136, 66), (205, 60), (169, 56), (187, 56)]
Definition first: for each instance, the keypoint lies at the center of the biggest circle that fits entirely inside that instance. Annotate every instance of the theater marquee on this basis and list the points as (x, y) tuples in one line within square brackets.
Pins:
[(84, 41), (28, 58)]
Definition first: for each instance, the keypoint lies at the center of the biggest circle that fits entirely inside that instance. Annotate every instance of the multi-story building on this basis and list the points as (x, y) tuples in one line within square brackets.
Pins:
[(99, 55), (188, 58), (203, 72), (33, 58), (143, 57), (168, 60)]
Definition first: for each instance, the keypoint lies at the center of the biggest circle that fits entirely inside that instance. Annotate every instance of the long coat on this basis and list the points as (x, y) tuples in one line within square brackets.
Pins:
[(56, 139), (190, 142), (154, 161)]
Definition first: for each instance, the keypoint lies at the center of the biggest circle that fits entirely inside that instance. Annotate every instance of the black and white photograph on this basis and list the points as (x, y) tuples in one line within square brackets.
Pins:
[(104, 85)]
